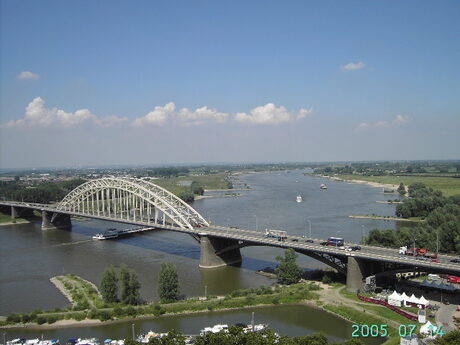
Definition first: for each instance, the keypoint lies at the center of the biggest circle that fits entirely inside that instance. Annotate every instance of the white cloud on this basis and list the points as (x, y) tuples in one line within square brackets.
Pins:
[(398, 120), (27, 75), (266, 114), (353, 66), (111, 121), (157, 116), (303, 113), (200, 116), (38, 115)]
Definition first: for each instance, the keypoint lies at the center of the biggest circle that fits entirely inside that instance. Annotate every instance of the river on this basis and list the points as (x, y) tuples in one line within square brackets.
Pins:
[(30, 256)]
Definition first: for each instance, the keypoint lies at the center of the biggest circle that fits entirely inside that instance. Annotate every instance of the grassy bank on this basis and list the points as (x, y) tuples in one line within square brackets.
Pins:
[(6, 219), (374, 216), (447, 185), (178, 185), (236, 300)]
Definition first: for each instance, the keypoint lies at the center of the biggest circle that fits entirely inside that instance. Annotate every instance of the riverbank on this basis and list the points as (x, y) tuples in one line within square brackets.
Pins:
[(387, 186), (238, 299), (387, 218)]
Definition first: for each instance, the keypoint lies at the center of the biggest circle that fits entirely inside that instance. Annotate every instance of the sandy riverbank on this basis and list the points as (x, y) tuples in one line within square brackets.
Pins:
[(60, 286), (369, 183), (16, 222)]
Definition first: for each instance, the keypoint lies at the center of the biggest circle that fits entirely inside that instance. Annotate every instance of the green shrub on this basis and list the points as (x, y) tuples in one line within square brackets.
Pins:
[(51, 319), (13, 318), (118, 311), (41, 320), (104, 315)]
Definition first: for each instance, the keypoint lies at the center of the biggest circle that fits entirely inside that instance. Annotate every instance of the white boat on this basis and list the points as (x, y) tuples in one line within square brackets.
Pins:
[(299, 198), (215, 329), (322, 186), (145, 338), (257, 328)]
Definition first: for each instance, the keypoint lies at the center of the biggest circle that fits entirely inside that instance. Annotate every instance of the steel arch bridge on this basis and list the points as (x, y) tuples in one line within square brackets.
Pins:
[(131, 199)]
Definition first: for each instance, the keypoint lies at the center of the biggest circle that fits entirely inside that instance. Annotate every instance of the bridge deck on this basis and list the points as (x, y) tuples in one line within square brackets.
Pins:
[(253, 237)]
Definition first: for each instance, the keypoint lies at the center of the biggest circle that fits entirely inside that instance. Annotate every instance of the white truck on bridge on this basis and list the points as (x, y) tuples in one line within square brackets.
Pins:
[(279, 234)]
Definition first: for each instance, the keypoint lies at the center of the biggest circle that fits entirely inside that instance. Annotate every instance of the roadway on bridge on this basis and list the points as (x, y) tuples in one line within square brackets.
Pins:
[(258, 238)]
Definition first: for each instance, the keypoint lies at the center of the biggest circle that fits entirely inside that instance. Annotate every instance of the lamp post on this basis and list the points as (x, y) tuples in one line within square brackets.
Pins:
[(257, 225), (309, 226), (362, 238), (437, 242), (132, 329)]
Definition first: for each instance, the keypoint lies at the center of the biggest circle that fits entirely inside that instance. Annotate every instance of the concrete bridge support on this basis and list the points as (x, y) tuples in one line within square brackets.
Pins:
[(21, 212), (356, 271), (55, 221), (14, 212), (210, 246)]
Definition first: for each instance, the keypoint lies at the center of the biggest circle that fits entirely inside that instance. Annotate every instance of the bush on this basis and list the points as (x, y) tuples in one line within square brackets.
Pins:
[(118, 311), (276, 300), (51, 319), (41, 320), (131, 311), (326, 280), (79, 316), (13, 318), (104, 315)]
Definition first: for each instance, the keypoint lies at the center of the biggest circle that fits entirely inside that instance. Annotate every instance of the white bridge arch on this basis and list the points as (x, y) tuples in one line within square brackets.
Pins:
[(131, 199)]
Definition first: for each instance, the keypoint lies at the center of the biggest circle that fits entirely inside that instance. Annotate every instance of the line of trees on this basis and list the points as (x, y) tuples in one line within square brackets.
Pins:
[(441, 227), (236, 336), (120, 285), (43, 193)]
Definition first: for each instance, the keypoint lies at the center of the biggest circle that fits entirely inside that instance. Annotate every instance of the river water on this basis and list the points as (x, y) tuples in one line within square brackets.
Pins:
[(30, 256)]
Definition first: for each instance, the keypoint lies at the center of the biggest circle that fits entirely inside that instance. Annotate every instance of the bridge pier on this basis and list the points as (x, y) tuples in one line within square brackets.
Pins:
[(210, 246), (60, 221), (356, 271), (14, 212)]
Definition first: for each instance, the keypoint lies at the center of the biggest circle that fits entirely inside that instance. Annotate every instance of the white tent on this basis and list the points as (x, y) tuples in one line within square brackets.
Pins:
[(395, 299), (425, 329), (404, 298), (423, 301), (413, 299)]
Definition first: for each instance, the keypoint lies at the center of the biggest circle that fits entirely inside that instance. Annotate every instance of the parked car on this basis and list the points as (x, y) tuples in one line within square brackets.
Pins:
[(294, 239), (324, 243), (353, 248), (456, 261), (309, 241)]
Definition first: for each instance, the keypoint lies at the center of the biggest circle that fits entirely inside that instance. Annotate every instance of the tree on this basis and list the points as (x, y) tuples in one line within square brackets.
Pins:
[(168, 283), (129, 286), (109, 285), (448, 339), (401, 189), (197, 188), (288, 271)]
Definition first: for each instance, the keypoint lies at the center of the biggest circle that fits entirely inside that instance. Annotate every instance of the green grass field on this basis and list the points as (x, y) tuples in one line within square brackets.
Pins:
[(215, 181), (447, 185), (6, 218)]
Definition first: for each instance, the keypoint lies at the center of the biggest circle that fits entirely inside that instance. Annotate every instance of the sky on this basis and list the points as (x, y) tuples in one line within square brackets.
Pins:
[(165, 82)]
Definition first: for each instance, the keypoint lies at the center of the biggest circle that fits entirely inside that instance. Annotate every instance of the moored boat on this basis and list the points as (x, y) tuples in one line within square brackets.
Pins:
[(299, 198), (322, 186)]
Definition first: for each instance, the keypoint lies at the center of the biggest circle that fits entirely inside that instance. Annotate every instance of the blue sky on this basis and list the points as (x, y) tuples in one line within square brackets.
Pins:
[(106, 82)]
